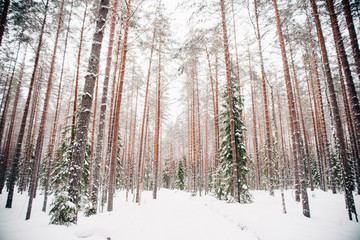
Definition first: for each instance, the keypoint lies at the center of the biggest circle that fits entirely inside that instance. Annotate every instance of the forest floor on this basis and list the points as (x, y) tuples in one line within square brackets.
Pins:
[(179, 215)]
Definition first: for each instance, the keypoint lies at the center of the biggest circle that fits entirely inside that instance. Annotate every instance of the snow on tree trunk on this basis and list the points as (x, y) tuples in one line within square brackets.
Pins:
[(85, 106)]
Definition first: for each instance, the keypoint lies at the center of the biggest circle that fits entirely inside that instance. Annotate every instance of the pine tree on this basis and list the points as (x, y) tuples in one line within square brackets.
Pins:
[(180, 176), (224, 175)]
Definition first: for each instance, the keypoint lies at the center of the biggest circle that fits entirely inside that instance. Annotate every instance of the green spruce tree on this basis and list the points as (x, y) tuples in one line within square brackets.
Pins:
[(224, 173), (63, 211), (180, 177)]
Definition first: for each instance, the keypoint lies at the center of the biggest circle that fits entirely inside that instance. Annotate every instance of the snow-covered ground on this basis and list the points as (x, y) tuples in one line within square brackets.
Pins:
[(178, 215)]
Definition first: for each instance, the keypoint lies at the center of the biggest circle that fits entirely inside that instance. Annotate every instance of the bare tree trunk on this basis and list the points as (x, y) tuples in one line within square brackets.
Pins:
[(85, 106), (41, 135), (16, 158), (336, 115), (92, 153), (352, 35), (30, 136), (4, 153), (230, 95), (143, 119), (9, 141), (266, 108), (157, 128), (193, 129), (117, 109), (350, 126), (145, 142), (315, 128), (206, 144), (216, 121), (302, 119), (77, 76), (354, 101), (101, 131), (323, 134), (255, 134), (56, 118), (294, 121)]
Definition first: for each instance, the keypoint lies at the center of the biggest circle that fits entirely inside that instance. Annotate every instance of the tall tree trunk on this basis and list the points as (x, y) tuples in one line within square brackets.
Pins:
[(73, 125), (199, 149), (235, 45), (30, 136), (255, 134), (7, 96), (296, 140), (320, 109), (282, 161), (117, 109), (157, 152), (92, 153), (336, 115), (230, 95), (266, 108), (315, 128), (302, 120), (85, 106), (352, 35), (101, 131), (5, 152), (216, 121), (106, 160), (41, 135), (145, 143), (350, 125), (3, 19), (143, 119), (354, 101), (9, 140), (206, 168), (193, 129), (56, 118), (16, 158)]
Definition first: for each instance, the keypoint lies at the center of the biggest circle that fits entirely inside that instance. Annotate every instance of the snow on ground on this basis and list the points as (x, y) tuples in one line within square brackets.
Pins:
[(178, 215)]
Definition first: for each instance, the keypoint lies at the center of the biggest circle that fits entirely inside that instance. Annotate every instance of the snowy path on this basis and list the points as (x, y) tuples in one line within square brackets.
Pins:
[(177, 215)]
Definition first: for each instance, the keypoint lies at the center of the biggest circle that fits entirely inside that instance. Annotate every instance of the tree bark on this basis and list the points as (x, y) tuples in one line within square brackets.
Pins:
[(294, 120), (56, 118), (266, 108), (85, 106), (336, 115), (117, 109), (4, 153), (354, 101), (73, 125), (307, 156), (352, 35), (101, 131), (216, 120), (143, 119), (41, 135), (157, 128), (320, 113)]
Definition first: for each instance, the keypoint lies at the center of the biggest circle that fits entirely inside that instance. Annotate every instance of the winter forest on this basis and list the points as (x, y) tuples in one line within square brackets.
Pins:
[(159, 119)]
